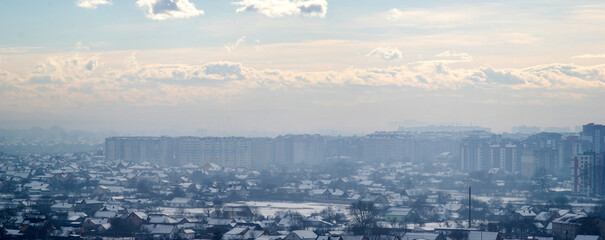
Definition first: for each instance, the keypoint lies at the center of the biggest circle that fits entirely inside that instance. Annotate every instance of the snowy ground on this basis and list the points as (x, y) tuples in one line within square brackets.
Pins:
[(306, 208), (265, 208)]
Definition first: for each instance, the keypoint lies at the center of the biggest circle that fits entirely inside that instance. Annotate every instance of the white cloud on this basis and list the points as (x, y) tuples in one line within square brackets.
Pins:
[(281, 8), (594, 13), (81, 47), (193, 74), (131, 61), (232, 46), (169, 9), (425, 17), (92, 4), (590, 56), (19, 50), (460, 57), (520, 38), (448, 57), (386, 53), (63, 81)]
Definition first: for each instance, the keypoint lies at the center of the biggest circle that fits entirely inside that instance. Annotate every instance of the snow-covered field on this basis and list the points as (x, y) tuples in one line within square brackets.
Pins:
[(265, 208), (505, 200), (305, 208), (185, 211)]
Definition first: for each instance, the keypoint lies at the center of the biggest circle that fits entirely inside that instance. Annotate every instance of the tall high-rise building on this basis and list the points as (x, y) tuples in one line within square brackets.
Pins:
[(475, 154), (167, 151), (134, 149), (542, 151), (505, 156), (262, 150), (388, 146), (588, 174), (569, 147), (299, 149), (594, 135), (188, 150)]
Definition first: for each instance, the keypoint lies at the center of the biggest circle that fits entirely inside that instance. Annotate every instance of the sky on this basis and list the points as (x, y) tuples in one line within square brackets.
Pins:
[(267, 67)]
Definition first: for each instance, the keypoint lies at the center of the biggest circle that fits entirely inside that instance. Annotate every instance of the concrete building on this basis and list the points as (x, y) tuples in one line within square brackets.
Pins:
[(475, 154), (505, 156), (594, 135), (587, 174), (299, 149)]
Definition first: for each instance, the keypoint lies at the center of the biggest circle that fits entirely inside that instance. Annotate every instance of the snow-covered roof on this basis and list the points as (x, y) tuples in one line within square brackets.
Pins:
[(419, 235), (161, 219), (180, 200), (305, 234), (237, 231), (158, 228), (482, 235), (526, 213), (62, 206), (141, 215), (398, 211), (570, 218), (105, 214), (544, 216), (587, 237), (98, 221)]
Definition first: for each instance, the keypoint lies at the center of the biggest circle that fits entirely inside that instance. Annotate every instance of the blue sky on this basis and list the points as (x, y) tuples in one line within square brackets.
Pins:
[(261, 67)]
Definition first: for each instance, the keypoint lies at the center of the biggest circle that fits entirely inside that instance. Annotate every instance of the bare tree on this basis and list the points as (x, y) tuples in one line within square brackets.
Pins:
[(365, 216), (218, 207), (542, 179)]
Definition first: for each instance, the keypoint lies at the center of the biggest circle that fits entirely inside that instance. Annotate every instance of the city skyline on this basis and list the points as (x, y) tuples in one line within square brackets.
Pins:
[(314, 66)]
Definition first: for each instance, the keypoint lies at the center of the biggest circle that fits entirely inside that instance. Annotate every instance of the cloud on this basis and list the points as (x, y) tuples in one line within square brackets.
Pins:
[(386, 53), (188, 74), (461, 56), (232, 46), (169, 9), (593, 13), (448, 57), (454, 57), (281, 8), (65, 81), (19, 50), (426, 17), (131, 61), (520, 38), (590, 56), (81, 47), (92, 4)]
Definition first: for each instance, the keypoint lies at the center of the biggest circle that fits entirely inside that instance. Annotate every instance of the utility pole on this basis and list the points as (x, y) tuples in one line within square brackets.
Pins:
[(469, 208)]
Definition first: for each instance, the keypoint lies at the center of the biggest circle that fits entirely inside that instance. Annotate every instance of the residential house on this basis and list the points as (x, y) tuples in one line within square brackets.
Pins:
[(238, 190), (181, 202), (546, 217), (377, 199), (334, 193), (568, 226), (158, 231), (137, 219), (588, 237), (353, 237), (92, 225), (301, 235), (483, 235), (237, 211), (421, 235), (524, 213), (61, 207), (398, 214)]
